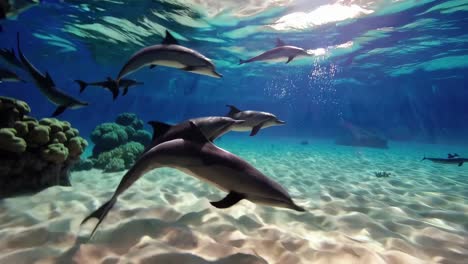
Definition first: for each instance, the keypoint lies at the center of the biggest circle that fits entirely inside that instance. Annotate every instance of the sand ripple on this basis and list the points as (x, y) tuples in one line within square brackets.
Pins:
[(418, 215)]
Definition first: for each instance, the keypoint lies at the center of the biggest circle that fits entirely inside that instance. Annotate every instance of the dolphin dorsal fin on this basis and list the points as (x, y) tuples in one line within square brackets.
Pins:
[(159, 129), (196, 134), (169, 39), (280, 43), (234, 110), (49, 79)]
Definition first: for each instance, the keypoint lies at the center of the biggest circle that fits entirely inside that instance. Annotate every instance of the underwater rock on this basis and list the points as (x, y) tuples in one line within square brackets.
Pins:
[(34, 154), (119, 144), (356, 136)]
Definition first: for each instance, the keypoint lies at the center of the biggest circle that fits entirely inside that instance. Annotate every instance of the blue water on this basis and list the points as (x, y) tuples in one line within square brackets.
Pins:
[(425, 101), (396, 69)]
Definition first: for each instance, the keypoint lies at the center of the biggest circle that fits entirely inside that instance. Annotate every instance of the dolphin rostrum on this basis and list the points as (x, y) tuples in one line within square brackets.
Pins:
[(170, 54), (451, 160), (254, 120), (195, 155), (280, 51), (47, 87), (108, 84), (9, 76)]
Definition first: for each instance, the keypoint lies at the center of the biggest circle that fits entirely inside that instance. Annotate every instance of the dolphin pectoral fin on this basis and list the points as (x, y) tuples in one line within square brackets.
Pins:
[(159, 129), (459, 164), (255, 129), (59, 110), (152, 66), (231, 199), (115, 93), (290, 59), (125, 91)]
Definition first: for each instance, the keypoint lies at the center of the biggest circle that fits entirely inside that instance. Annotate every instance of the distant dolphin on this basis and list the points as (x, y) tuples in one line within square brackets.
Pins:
[(9, 76), (124, 84), (47, 87), (280, 51), (10, 57), (254, 120), (196, 156), (452, 160), (169, 54)]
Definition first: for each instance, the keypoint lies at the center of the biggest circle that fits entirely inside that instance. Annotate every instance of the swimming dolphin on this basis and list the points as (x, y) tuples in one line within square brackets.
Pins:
[(196, 156), (10, 57), (212, 128), (47, 87), (453, 160), (9, 76), (254, 120), (280, 51), (109, 84), (170, 54)]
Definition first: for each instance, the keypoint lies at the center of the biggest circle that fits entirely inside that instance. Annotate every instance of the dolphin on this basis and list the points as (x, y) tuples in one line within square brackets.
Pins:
[(195, 155), (9, 76), (280, 51), (212, 128), (453, 160), (254, 120), (109, 84), (47, 87), (170, 54), (10, 57)]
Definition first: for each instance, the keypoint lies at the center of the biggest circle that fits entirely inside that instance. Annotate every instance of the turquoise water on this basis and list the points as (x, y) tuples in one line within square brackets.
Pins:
[(380, 86)]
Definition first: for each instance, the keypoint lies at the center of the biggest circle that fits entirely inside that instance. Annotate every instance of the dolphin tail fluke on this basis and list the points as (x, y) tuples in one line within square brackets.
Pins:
[(100, 214), (424, 158), (82, 84), (241, 61)]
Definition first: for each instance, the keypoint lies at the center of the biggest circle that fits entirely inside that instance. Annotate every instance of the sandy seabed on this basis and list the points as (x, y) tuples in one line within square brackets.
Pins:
[(417, 215)]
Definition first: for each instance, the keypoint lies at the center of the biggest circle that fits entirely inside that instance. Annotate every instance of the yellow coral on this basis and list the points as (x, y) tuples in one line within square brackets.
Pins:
[(10, 142), (56, 153)]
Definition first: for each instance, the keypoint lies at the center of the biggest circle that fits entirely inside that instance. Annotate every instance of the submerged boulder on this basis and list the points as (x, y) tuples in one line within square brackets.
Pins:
[(34, 154)]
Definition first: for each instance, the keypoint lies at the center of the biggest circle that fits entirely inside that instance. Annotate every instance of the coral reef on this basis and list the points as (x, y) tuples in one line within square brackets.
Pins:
[(34, 154), (117, 145)]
